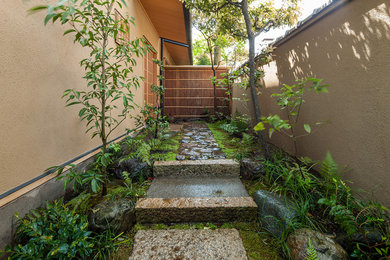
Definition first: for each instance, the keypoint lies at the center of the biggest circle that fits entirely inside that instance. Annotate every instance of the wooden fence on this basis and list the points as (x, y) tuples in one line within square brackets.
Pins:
[(189, 92)]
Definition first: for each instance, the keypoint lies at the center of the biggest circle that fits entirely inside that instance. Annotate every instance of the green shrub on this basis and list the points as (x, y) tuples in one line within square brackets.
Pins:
[(52, 233), (237, 125)]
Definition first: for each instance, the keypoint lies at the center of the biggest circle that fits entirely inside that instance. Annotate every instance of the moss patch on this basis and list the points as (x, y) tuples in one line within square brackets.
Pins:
[(168, 148), (233, 147)]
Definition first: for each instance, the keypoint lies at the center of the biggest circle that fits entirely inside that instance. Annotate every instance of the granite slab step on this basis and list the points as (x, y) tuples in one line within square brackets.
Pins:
[(188, 244), (195, 209), (221, 167), (196, 199)]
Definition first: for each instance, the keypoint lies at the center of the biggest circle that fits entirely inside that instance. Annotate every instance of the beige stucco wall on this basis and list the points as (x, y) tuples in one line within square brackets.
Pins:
[(36, 65), (350, 49)]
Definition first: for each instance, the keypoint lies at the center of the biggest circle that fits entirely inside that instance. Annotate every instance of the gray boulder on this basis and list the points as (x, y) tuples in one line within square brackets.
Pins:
[(275, 211), (371, 237), (324, 245), (250, 169), (117, 216), (133, 166)]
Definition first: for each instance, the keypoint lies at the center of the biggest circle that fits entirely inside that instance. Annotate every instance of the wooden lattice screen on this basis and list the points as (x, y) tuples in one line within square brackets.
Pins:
[(189, 92), (150, 74)]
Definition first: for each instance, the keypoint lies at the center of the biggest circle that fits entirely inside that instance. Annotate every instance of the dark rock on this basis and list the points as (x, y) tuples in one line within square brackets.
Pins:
[(274, 211), (117, 216), (251, 169), (371, 237), (132, 166), (325, 246)]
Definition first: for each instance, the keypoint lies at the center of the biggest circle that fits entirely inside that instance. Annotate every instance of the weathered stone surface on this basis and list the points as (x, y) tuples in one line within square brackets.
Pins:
[(132, 166), (371, 237), (186, 187), (188, 244), (211, 209), (274, 211), (325, 246), (118, 216), (251, 169), (222, 167)]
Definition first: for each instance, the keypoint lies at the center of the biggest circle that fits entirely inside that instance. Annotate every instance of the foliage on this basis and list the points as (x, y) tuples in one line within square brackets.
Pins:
[(52, 233), (325, 202), (203, 60), (291, 99), (107, 244), (237, 125), (311, 251), (108, 69), (94, 177), (236, 147)]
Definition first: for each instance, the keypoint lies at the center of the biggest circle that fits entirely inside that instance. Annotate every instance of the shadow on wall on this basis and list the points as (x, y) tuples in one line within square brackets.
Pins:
[(350, 49)]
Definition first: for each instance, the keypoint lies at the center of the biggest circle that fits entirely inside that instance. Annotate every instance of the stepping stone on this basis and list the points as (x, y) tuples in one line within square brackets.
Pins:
[(196, 199), (188, 244), (221, 167)]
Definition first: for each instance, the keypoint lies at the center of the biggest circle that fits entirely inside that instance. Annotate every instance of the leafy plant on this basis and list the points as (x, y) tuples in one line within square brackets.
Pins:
[(311, 251), (291, 99), (237, 125), (108, 69), (52, 233)]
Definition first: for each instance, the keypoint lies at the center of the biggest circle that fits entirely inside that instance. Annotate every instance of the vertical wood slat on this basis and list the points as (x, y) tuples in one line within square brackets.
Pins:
[(189, 92)]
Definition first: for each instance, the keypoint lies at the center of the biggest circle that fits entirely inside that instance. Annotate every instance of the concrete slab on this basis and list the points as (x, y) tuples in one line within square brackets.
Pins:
[(188, 244), (211, 209), (172, 187), (220, 167)]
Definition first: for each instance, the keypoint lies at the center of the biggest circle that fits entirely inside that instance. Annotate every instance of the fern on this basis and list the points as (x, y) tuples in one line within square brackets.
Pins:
[(140, 150), (311, 252), (329, 168)]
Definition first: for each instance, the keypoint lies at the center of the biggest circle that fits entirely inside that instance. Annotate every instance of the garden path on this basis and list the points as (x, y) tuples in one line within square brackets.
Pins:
[(198, 143), (201, 186)]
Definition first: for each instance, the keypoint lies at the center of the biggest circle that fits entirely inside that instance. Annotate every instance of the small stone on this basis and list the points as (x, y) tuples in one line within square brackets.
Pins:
[(117, 216), (251, 169), (185, 141), (324, 245), (180, 157)]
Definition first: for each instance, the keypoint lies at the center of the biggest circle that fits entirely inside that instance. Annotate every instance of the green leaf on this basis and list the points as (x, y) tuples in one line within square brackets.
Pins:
[(69, 31), (38, 8), (307, 128), (259, 127)]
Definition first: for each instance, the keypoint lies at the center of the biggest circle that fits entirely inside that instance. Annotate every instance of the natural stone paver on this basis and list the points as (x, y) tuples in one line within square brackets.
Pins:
[(198, 143), (172, 187), (222, 167), (188, 244), (209, 209)]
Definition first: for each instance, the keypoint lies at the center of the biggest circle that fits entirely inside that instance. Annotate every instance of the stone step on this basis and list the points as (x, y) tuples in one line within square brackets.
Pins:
[(188, 244), (221, 167), (196, 199)]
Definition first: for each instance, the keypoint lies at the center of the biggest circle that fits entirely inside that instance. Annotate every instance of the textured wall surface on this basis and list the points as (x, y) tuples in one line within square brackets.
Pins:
[(350, 50), (36, 65)]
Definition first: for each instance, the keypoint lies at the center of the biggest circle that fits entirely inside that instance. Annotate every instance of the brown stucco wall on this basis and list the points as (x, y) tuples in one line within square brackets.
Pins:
[(36, 65), (350, 50)]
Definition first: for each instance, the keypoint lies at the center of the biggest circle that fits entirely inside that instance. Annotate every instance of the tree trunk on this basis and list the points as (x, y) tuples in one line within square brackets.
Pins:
[(103, 111), (252, 75)]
